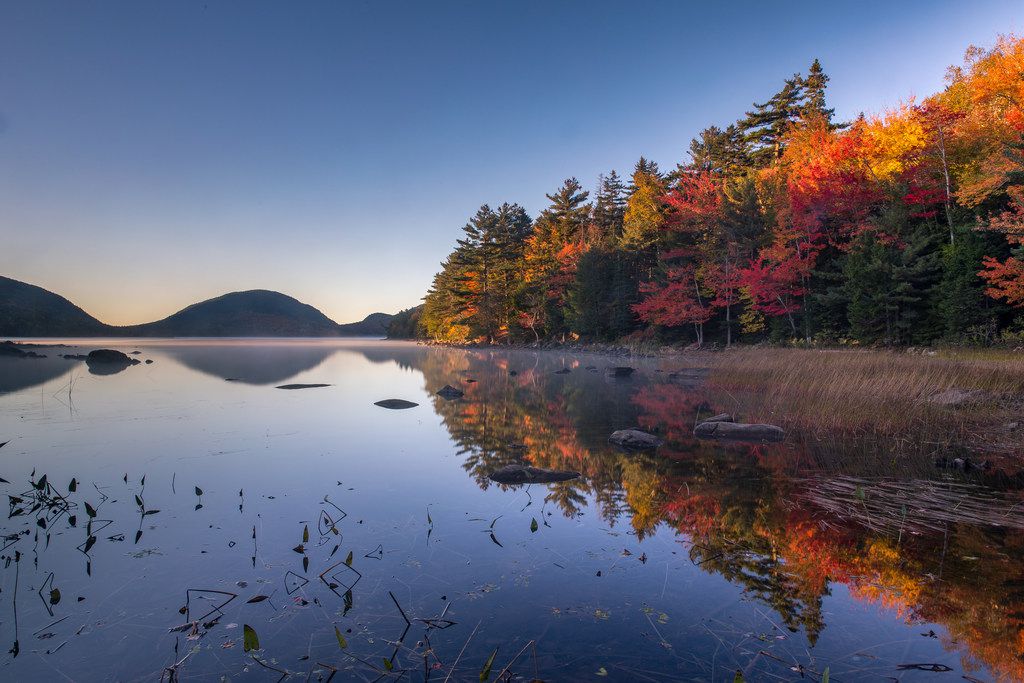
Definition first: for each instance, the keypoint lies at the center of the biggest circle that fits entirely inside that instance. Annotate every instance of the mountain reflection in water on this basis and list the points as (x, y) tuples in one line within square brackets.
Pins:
[(689, 562)]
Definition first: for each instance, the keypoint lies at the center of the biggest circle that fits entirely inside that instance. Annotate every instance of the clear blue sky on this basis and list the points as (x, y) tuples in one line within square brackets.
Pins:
[(153, 154)]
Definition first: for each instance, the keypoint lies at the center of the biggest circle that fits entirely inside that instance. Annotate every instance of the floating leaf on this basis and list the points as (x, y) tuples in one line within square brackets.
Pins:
[(90, 510), (250, 641), (342, 643), (824, 675), (138, 501), (485, 672), (738, 678), (305, 534), (387, 664), (258, 598), (199, 491), (54, 596), (149, 512), (348, 560), (533, 525), (73, 486), (299, 549), (602, 671)]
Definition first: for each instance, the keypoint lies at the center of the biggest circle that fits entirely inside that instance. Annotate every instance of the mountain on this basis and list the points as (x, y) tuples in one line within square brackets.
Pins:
[(30, 311), (373, 325), (255, 313)]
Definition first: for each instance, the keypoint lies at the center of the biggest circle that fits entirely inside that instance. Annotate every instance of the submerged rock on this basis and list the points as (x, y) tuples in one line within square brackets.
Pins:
[(634, 439), (74, 356), (960, 397), (620, 371), (526, 474), (737, 431), (395, 404), (721, 417), (563, 371), (298, 386), (149, 361), (450, 393)]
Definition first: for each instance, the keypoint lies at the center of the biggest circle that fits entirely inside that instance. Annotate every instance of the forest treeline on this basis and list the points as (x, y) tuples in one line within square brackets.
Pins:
[(903, 227)]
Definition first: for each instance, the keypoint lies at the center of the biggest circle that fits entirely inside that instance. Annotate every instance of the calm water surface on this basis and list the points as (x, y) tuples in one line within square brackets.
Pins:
[(686, 564)]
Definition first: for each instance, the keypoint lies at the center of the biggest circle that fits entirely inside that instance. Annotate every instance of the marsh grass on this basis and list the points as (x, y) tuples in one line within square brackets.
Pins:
[(882, 393)]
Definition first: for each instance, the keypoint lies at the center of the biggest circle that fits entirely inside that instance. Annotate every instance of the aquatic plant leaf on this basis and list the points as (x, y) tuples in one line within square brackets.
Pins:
[(250, 641), (199, 491), (738, 678), (54, 596), (305, 534), (138, 501), (485, 673), (342, 643), (824, 675), (387, 664), (149, 512), (90, 510), (533, 525), (257, 598), (73, 486)]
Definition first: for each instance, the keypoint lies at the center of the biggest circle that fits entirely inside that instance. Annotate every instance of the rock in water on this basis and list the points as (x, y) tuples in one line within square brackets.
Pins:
[(563, 371), (108, 361), (634, 439), (721, 417), (395, 404), (450, 393), (737, 431), (110, 356), (297, 386), (620, 371), (525, 474)]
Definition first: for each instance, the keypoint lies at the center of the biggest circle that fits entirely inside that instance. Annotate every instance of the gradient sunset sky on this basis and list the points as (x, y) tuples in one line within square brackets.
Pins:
[(153, 154)]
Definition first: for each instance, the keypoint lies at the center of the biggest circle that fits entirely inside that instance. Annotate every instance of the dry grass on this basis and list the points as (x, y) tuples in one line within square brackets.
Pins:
[(876, 392)]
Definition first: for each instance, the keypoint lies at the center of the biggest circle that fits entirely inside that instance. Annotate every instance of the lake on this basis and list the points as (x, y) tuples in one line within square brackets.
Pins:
[(210, 508)]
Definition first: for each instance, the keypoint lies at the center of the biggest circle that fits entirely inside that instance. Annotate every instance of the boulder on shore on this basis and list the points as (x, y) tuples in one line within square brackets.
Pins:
[(395, 404), (634, 439), (526, 474), (450, 393), (721, 417), (737, 431)]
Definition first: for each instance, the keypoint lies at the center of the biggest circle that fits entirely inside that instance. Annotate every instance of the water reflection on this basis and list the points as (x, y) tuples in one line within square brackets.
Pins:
[(788, 523), (673, 564)]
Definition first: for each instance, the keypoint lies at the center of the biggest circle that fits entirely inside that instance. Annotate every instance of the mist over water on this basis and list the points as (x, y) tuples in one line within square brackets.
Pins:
[(690, 562)]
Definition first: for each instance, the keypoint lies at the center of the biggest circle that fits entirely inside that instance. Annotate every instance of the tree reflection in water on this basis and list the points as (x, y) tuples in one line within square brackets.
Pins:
[(761, 516)]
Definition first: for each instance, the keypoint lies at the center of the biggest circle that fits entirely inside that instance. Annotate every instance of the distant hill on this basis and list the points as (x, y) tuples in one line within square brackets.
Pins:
[(373, 325), (256, 313), (30, 311)]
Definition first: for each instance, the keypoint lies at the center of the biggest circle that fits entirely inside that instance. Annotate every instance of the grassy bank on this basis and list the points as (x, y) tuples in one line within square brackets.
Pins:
[(883, 393)]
